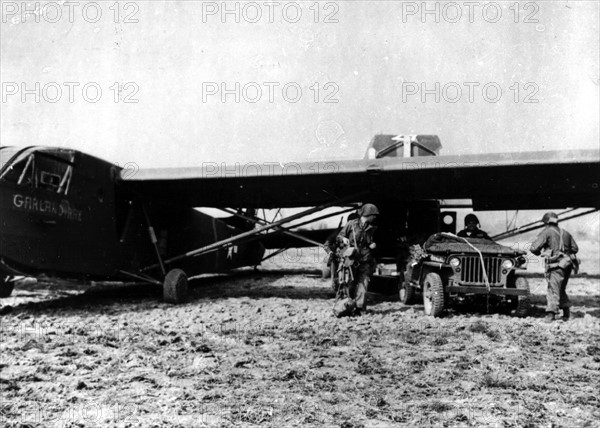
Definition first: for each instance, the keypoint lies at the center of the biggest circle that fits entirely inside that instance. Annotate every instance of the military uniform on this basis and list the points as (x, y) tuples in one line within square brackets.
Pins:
[(332, 246), (360, 235), (477, 233), (550, 240), (472, 229)]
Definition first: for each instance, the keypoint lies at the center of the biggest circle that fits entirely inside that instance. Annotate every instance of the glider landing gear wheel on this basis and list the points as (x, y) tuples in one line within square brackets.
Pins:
[(175, 287), (6, 286), (433, 295)]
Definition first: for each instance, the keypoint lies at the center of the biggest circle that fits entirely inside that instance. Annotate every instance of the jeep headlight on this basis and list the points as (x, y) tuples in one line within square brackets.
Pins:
[(507, 264), (454, 262)]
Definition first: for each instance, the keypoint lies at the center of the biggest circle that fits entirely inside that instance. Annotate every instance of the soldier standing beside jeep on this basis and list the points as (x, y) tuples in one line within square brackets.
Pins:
[(561, 249)]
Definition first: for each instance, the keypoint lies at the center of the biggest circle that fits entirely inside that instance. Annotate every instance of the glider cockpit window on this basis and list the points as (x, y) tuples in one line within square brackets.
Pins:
[(19, 170), (49, 180), (40, 170)]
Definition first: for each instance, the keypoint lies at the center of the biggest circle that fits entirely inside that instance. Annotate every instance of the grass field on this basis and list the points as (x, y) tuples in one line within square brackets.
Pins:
[(263, 349)]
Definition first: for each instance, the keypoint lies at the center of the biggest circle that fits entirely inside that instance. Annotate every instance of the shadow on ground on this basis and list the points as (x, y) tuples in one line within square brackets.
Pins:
[(138, 297)]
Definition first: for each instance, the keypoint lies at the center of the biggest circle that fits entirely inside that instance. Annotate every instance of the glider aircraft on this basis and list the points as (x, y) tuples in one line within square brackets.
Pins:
[(70, 215)]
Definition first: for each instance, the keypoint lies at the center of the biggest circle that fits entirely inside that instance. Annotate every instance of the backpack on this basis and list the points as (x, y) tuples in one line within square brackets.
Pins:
[(564, 260)]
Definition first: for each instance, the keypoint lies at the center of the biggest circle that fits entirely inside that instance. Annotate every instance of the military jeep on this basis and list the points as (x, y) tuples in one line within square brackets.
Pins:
[(448, 269)]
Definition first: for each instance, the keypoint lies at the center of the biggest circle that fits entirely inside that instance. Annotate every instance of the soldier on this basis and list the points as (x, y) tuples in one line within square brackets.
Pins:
[(471, 229), (560, 249), (359, 233), (331, 246)]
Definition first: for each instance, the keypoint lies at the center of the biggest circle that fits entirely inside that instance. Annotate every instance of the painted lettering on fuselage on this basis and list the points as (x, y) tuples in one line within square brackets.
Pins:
[(62, 209)]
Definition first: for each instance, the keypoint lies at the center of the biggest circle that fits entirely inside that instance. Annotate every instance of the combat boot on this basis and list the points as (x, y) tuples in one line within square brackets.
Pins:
[(549, 317), (566, 314)]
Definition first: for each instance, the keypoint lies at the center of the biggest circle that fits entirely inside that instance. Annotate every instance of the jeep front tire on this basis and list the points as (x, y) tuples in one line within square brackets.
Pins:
[(433, 295)]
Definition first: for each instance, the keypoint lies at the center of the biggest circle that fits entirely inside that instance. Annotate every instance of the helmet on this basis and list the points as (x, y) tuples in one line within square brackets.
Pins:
[(368, 209), (471, 218), (550, 218)]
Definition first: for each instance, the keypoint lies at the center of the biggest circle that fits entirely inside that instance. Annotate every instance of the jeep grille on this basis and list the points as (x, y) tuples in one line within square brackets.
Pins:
[(472, 274)]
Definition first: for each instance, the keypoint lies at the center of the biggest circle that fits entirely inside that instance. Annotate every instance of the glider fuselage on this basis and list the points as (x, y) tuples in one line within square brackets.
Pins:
[(62, 213)]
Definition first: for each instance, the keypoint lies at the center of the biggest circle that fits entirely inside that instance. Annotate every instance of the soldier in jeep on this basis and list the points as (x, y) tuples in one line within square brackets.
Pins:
[(560, 249), (471, 229)]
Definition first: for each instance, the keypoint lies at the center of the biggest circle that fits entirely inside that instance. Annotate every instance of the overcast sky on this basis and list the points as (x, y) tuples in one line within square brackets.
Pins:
[(361, 69)]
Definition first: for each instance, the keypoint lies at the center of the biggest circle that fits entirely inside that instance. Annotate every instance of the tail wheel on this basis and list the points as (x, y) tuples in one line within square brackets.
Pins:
[(524, 303), (6, 286), (407, 293), (175, 287), (433, 295)]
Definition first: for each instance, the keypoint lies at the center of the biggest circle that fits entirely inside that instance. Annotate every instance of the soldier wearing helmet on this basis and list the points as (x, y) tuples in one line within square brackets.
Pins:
[(331, 246), (359, 233), (471, 229), (559, 248)]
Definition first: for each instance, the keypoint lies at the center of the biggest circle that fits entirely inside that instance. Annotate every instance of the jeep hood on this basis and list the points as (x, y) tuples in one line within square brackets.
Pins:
[(447, 243)]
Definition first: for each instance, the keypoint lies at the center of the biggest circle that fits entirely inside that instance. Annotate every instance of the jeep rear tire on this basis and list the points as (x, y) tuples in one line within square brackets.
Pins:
[(433, 295), (407, 293), (523, 302)]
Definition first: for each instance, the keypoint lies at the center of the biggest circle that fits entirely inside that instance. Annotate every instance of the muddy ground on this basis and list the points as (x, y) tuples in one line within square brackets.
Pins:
[(263, 349)]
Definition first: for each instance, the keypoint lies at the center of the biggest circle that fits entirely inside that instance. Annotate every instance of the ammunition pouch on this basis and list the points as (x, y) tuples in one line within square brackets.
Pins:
[(349, 256), (563, 261)]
